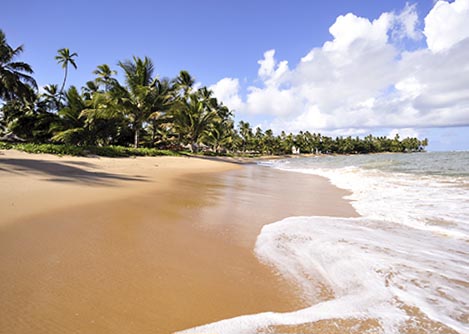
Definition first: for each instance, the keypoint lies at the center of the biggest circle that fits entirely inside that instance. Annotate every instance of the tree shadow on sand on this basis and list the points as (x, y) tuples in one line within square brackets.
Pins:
[(64, 172)]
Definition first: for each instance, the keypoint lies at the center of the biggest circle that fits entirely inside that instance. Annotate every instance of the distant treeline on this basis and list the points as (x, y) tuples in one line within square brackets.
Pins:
[(146, 111)]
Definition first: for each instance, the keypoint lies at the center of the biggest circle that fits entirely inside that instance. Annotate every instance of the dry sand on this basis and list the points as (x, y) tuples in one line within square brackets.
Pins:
[(145, 245)]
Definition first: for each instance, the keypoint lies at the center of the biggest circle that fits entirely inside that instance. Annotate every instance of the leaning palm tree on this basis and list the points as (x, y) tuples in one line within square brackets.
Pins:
[(65, 58), (15, 81)]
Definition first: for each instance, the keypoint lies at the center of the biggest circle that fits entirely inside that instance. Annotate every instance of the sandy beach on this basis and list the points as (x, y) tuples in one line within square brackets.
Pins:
[(143, 245)]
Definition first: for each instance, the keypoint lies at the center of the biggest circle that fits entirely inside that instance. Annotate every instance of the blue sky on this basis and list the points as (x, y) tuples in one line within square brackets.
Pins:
[(224, 44)]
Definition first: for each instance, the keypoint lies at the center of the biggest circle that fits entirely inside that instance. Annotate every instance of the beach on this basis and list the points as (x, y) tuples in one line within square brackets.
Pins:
[(144, 245)]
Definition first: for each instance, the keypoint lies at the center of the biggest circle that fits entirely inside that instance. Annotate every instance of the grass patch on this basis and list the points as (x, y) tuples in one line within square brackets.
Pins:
[(106, 151)]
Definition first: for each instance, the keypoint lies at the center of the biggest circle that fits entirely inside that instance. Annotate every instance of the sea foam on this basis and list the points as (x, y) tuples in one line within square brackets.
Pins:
[(409, 251), (373, 270)]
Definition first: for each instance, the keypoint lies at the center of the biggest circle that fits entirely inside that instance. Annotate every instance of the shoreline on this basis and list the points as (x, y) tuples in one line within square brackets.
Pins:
[(152, 256)]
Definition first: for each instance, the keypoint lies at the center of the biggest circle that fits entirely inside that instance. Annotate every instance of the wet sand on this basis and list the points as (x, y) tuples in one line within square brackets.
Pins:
[(150, 257)]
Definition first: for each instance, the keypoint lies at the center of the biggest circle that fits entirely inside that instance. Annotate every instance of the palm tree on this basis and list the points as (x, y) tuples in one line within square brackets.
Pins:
[(165, 98), (65, 58), (185, 83), (70, 128), (245, 131), (220, 135), (90, 88), (52, 98), (105, 74), (139, 99), (192, 118), (15, 80)]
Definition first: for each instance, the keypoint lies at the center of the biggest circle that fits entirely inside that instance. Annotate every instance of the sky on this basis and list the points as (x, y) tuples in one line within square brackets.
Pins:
[(344, 67)]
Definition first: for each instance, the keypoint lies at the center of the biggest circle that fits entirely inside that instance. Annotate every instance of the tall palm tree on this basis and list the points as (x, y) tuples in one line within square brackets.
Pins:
[(139, 99), (65, 58), (15, 80)]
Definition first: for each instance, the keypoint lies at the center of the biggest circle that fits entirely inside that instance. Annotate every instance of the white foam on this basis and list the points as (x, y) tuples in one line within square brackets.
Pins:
[(372, 269), (411, 247), (434, 203)]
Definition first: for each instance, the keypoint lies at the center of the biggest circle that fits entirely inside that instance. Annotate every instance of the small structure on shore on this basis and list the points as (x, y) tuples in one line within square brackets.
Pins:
[(295, 150)]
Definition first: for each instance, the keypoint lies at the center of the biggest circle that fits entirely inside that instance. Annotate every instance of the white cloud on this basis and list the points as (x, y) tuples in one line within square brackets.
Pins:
[(227, 91), (409, 87), (447, 24), (363, 78), (273, 101), (404, 133), (271, 72), (350, 28), (406, 24)]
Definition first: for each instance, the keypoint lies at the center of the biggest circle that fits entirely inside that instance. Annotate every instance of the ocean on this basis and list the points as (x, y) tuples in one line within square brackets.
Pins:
[(403, 266)]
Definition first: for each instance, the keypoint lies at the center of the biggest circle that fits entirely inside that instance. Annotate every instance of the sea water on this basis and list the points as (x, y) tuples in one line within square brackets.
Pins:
[(403, 264)]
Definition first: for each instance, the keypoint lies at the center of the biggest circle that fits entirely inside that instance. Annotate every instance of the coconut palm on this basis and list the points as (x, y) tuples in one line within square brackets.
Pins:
[(185, 83), (15, 80), (164, 94), (90, 88), (192, 118), (70, 128), (65, 58), (105, 74), (220, 135), (51, 97), (139, 99), (245, 131)]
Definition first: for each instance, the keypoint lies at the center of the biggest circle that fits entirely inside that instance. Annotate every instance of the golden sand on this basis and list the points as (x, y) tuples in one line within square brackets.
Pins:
[(146, 245)]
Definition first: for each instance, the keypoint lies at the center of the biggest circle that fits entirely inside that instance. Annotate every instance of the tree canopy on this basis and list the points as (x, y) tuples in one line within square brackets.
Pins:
[(149, 111)]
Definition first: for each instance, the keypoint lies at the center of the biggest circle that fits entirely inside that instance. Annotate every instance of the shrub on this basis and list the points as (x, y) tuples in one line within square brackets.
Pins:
[(105, 151)]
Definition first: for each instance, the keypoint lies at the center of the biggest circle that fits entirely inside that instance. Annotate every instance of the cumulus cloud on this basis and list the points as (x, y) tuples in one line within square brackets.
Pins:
[(364, 78), (227, 91), (270, 71), (447, 24)]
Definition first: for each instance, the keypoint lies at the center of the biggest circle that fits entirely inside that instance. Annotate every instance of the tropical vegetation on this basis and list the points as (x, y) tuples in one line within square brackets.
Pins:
[(144, 115)]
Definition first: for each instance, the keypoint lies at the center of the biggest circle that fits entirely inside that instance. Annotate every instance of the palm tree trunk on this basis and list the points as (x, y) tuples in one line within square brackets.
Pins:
[(136, 137), (65, 79)]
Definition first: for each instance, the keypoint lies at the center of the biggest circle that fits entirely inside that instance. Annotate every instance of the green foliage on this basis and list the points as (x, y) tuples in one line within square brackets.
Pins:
[(106, 151), (15, 79)]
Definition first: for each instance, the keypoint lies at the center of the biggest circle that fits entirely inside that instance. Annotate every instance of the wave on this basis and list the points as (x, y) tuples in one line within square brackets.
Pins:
[(401, 267), (373, 271)]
